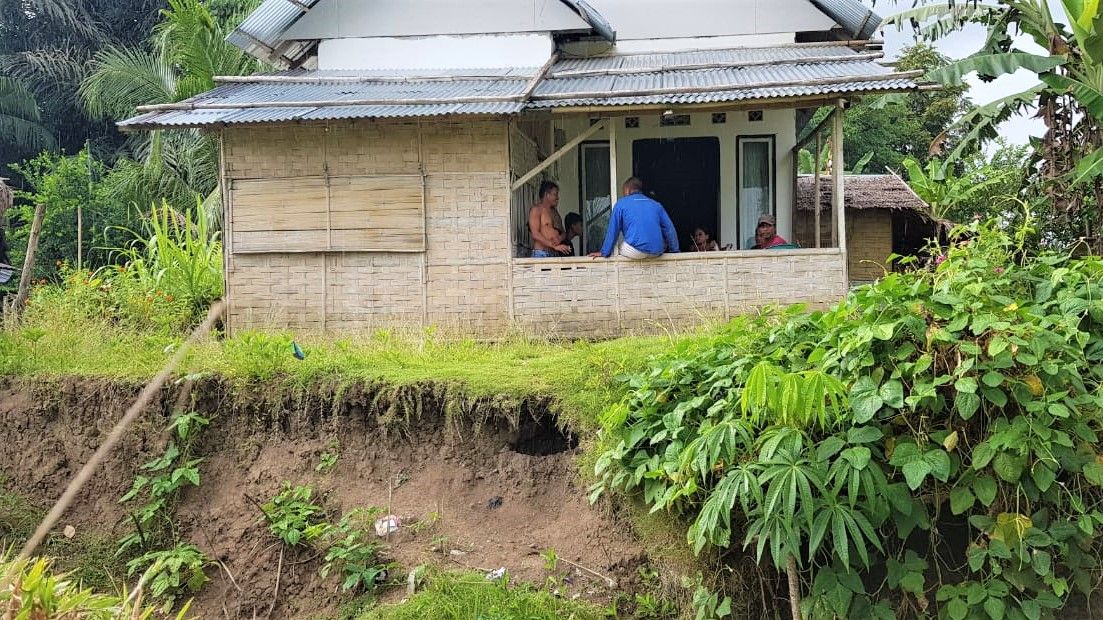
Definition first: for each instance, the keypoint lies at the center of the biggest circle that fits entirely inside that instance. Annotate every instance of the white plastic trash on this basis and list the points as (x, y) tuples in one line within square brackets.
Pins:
[(495, 575), (386, 525)]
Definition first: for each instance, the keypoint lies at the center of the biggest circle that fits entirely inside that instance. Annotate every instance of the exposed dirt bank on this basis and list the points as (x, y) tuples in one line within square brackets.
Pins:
[(490, 483)]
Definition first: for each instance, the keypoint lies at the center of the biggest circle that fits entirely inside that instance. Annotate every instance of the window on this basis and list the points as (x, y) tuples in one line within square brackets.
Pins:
[(631, 122), (719, 118), (755, 116), (594, 183), (757, 184)]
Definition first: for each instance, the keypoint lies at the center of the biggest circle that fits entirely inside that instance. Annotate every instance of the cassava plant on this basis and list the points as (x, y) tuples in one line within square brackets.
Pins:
[(926, 448)]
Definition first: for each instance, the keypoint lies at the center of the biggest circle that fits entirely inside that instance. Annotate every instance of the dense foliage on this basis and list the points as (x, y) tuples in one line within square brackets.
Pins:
[(928, 447), (894, 128), (167, 276), (65, 184), (1068, 97)]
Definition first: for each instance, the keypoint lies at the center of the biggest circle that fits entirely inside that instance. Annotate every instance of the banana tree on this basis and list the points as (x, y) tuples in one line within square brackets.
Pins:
[(19, 117), (1069, 96)]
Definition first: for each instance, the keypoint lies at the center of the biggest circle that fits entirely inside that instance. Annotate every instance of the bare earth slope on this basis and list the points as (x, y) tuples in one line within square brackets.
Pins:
[(489, 485)]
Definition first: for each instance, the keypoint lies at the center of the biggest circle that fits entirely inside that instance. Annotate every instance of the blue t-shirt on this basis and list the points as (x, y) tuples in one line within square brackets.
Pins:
[(645, 226)]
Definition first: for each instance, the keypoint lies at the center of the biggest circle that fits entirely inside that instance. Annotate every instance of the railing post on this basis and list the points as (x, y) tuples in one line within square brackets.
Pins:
[(837, 190)]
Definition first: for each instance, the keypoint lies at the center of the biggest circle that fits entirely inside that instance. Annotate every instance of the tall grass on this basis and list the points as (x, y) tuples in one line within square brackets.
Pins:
[(179, 254)]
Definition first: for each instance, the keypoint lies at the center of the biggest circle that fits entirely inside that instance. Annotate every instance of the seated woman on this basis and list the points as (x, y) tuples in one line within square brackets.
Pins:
[(702, 241)]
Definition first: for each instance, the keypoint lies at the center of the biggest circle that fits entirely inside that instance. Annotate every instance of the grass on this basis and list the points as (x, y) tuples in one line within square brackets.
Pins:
[(581, 376), (87, 558), (464, 596)]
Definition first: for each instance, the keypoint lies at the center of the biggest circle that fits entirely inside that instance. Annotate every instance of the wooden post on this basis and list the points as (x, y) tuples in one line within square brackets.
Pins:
[(614, 189), (837, 195), (28, 261), (816, 188)]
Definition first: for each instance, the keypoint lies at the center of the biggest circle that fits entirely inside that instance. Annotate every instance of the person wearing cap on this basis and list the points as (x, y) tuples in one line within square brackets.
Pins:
[(765, 234), (647, 229)]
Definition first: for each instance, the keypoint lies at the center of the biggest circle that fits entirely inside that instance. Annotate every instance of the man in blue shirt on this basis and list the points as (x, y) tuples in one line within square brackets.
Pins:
[(647, 229)]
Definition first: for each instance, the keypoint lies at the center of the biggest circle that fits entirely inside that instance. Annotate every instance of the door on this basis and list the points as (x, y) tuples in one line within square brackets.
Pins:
[(757, 184), (684, 175), (594, 184)]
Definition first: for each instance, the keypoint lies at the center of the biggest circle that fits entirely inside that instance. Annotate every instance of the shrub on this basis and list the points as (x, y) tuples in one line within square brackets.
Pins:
[(168, 280), (958, 474), (62, 183), (36, 592)]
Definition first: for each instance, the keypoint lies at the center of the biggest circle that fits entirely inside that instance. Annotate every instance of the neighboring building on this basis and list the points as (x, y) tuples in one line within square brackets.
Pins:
[(384, 178), (883, 217)]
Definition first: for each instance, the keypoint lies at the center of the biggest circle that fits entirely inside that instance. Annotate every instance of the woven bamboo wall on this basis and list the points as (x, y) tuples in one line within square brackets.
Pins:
[(868, 239), (586, 297), (277, 278)]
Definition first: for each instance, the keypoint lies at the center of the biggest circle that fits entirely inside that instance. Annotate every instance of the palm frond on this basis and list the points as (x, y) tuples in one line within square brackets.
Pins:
[(124, 78), (74, 15), (19, 117)]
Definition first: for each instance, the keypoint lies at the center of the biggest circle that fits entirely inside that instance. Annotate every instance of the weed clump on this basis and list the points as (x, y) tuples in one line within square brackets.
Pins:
[(928, 446)]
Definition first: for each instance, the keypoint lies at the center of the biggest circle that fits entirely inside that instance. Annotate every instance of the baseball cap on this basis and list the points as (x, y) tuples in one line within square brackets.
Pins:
[(767, 219)]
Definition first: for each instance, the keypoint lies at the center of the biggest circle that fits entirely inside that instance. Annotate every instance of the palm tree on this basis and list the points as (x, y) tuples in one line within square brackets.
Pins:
[(188, 49), (19, 118)]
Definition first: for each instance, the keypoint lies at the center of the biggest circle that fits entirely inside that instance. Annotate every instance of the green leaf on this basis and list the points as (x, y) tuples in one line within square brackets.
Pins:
[(1043, 563), (994, 607), (1043, 476), (966, 404), (1088, 168), (993, 65), (985, 489), (1031, 609), (915, 471), (1093, 471), (1009, 467), (957, 609), (865, 400), (863, 434), (939, 461), (892, 393), (966, 384), (961, 499), (993, 378), (883, 331)]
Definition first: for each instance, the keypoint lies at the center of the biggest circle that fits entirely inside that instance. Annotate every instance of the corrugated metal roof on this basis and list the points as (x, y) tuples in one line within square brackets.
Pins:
[(260, 33), (650, 79), (859, 21), (782, 71)]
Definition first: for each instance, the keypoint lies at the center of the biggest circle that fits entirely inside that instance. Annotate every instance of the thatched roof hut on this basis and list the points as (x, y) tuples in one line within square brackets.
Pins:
[(883, 216)]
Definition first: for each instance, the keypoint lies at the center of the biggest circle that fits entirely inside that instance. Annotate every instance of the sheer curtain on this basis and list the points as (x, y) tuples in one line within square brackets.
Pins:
[(755, 185)]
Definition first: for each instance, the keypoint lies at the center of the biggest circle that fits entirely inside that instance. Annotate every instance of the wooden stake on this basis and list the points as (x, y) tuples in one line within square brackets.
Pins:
[(28, 261)]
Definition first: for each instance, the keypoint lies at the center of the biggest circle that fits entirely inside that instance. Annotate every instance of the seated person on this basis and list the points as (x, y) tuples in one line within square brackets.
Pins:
[(702, 241), (573, 223), (647, 229), (765, 234)]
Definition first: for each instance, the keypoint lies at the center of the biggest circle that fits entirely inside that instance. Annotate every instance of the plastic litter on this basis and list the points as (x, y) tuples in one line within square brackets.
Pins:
[(496, 574), (387, 525)]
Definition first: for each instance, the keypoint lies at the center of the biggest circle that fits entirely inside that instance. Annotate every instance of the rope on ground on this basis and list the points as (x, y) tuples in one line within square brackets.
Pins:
[(82, 477)]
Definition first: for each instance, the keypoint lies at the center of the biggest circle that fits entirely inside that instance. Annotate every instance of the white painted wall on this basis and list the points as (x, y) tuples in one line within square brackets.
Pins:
[(644, 46), (631, 19), (440, 52), (331, 19), (781, 123)]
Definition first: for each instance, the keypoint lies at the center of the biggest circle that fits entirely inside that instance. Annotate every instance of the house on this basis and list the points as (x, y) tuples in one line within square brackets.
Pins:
[(883, 217), (383, 177)]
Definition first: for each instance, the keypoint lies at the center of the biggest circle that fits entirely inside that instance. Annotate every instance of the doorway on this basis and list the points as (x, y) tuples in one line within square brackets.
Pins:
[(684, 175)]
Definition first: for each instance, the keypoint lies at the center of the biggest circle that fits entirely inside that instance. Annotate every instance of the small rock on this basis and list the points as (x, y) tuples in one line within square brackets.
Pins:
[(494, 502), (70, 531), (456, 553)]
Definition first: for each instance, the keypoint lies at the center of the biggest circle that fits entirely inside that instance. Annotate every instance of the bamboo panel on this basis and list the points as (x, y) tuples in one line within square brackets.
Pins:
[(246, 242), (378, 239)]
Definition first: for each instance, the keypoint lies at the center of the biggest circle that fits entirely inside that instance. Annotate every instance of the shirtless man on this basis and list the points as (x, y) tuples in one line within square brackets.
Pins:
[(547, 240)]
